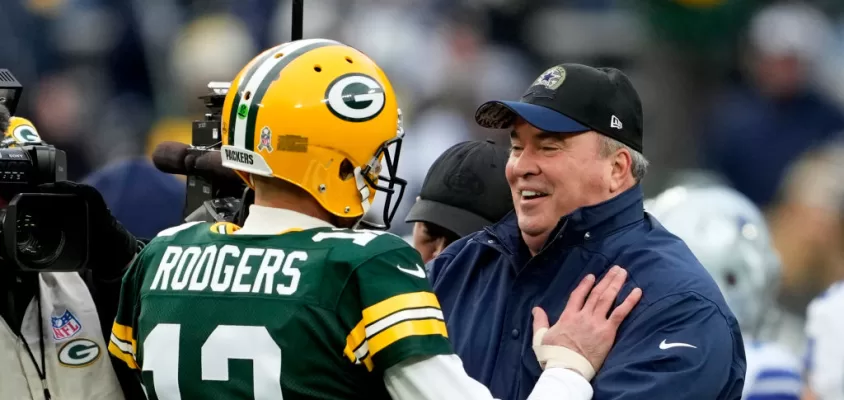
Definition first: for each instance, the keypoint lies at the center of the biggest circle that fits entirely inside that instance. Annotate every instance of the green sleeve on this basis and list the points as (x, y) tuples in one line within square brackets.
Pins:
[(123, 344), (391, 311)]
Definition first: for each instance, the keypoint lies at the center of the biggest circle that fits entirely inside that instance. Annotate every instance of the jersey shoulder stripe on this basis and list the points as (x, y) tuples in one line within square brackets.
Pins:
[(393, 319), (123, 344), (224, 228), (176, 229), (772, 372)]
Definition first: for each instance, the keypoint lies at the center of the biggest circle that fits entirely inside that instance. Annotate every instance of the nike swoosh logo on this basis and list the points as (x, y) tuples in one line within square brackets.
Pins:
[(419, 272), (665, 346)]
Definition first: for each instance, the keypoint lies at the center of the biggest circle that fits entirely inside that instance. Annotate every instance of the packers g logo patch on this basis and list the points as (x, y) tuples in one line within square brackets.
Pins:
[(355, 97), (79, 353)]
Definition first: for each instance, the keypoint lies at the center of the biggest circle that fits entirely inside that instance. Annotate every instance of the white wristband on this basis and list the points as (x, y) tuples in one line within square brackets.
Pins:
[(560, 357)]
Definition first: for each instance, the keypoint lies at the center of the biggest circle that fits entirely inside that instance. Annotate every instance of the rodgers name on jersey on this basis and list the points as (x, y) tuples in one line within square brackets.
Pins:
[(317, 313), (228, 269)]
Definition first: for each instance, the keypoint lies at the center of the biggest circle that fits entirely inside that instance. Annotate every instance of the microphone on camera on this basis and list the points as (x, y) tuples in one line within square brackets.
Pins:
[(177, 158)]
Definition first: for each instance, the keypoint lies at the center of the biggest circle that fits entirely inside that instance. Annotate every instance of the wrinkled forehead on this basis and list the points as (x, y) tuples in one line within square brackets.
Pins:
[(523, 132)]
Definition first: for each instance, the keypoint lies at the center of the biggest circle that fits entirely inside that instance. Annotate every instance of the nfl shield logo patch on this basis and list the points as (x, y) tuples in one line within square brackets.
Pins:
[(65, 326), (265, 144)]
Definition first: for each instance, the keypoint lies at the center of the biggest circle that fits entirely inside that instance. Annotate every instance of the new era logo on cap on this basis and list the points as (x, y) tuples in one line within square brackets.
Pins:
[(615, 122)]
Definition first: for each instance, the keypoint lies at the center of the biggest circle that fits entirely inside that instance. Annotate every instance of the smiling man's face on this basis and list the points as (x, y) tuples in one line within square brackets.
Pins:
[(553, 174)]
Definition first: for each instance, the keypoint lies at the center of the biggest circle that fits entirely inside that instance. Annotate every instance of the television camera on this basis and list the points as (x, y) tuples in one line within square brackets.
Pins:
[(38, 231), (214, 193)]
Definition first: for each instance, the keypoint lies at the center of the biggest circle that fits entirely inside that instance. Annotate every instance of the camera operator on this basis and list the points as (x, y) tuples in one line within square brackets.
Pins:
[(54, 325)]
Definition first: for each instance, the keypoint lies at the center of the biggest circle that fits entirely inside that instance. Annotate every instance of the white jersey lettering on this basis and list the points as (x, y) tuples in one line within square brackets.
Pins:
[(227, 269)]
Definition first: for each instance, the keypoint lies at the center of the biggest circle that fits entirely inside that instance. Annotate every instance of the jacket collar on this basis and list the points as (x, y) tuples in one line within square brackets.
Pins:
[(585, 223)]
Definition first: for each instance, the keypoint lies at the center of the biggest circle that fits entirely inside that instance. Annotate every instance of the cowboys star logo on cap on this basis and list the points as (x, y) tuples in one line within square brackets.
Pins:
[(551, 78)]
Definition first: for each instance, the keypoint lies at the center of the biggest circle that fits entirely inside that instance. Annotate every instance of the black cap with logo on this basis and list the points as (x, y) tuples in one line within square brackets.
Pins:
[(465, 189), (573, 98)]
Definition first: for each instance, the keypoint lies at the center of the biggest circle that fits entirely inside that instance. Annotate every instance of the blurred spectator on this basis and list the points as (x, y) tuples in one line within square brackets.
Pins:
[(144, 199), (464, 191), (700, 26), (57, 117), (807, 223), (758, 128)]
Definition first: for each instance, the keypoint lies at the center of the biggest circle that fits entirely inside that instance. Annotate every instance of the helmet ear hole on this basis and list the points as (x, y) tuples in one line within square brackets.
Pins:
[(731, 279), (317, 68), (347, 170)]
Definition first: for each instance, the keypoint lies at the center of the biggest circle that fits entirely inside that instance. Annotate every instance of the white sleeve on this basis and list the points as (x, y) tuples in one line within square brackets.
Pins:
[(442, 377), (824, 328)]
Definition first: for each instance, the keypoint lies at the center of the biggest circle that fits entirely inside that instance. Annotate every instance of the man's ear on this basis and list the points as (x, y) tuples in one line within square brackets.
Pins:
[(439, 246), (622, 163)]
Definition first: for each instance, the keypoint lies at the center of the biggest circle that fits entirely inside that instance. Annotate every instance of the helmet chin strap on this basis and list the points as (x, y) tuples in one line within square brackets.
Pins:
[(363, 188)]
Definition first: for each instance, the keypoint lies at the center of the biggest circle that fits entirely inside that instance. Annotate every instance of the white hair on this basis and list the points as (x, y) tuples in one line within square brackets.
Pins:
[(638, 165)]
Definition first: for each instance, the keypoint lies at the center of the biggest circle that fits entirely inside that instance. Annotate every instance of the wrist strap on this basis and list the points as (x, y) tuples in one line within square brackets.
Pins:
[(560, 357)]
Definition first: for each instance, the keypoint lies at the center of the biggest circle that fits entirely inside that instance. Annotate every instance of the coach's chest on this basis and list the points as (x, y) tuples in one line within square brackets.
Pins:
[(490, 321)]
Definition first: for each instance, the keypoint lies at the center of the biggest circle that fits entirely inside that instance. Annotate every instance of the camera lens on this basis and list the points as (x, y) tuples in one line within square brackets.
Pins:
[(38, 243)]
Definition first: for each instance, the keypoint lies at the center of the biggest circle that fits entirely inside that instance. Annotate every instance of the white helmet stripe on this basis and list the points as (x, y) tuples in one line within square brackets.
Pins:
[(255, 81)]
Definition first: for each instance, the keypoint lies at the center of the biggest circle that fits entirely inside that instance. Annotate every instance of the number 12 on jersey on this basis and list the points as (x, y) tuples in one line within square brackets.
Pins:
[(226, 342)]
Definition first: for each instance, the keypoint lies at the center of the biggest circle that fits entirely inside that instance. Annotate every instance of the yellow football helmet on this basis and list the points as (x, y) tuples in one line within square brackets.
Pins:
[(21, 132), (320, 115)]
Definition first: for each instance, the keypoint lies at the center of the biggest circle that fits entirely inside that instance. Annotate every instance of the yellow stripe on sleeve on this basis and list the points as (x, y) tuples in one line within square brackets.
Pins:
[(354, 340), (357, 349), (405, 329), (121, 337), (397, 303), (120, 355), (383, 309), (124, 333)]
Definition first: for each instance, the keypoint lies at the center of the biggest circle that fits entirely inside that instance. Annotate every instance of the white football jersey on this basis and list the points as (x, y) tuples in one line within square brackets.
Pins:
[(772, 372), (784, 328), (825, 350)]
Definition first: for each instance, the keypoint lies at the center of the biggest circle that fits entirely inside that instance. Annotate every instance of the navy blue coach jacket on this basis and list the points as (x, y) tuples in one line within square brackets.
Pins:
[(680, 342)]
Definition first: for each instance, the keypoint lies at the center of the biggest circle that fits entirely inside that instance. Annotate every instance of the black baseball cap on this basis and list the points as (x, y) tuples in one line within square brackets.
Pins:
[(465, 189), (573, 98)]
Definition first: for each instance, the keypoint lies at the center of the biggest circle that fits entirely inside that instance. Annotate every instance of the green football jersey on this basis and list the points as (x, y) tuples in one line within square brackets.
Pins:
[(309, 314)]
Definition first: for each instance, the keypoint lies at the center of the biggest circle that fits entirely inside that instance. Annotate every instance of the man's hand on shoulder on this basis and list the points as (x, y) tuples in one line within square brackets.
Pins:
[(583, 336)]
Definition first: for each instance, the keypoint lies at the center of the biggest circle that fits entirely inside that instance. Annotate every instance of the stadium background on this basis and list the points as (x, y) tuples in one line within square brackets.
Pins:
[(747, 90)]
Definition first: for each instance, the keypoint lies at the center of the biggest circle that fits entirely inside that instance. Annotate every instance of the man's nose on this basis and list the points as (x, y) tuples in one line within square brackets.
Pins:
[(525, 163)]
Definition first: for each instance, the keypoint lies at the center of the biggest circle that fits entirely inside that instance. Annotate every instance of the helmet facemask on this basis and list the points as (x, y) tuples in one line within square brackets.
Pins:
[(390, 184)]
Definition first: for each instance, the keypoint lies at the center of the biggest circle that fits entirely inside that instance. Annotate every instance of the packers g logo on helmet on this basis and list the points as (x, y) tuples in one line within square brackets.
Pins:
[(355, 97), (21, 132), (320, 115)]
